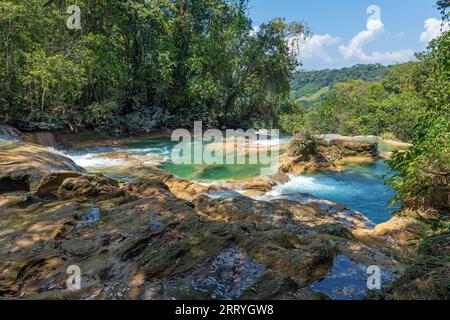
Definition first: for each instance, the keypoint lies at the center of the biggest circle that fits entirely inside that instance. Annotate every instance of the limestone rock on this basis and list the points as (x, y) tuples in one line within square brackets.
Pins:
[(423, 281), (301, 147), (23, 166), (306, 154), (160, 236), (88, 186)]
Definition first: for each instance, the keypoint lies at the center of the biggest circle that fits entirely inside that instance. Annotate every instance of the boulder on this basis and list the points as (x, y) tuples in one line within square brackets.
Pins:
[(422, 281), (306, 154), (88, 186), (340, 149), (301, 147), (24, 167)]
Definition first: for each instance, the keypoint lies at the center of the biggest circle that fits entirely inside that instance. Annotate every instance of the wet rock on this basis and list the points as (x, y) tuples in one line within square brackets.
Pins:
[(280, 177), (271, 285), (259, 185), (306, 294), (154, 225), (224, 193), (126, 158), (323, 216), (224, 277), (161, 237), (91, 216)]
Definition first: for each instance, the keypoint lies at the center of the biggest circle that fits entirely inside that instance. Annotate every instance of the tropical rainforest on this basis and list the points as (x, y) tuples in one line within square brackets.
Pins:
[(143, 65), (137, 67)]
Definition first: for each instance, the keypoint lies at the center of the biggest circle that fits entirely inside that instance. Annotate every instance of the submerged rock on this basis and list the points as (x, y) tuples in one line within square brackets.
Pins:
[(224, 277)]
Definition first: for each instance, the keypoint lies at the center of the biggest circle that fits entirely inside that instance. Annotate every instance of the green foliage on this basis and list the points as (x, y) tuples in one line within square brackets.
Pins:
[(390, 107), (443, 6), (294, 122), (307, 83), (136, 64), (423, 172)]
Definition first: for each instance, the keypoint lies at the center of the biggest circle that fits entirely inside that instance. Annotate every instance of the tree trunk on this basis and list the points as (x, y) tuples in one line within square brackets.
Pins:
[(43, 99)]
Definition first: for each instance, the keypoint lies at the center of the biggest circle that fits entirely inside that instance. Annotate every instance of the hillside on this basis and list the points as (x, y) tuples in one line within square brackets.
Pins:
[(309, 85)]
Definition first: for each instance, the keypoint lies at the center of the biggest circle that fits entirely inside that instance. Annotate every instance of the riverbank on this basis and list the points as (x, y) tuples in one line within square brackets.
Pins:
[(143, 236), (139, 238)]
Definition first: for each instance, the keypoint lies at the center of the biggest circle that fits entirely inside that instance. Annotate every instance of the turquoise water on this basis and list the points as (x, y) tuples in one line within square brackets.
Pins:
[(360, 187), (164, 146)]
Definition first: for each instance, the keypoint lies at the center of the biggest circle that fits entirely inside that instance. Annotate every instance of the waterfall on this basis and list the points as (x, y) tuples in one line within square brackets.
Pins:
[(8, 133)]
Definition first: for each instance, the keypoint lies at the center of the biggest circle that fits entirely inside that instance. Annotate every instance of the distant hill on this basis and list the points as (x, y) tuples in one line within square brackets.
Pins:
[(309, 86)]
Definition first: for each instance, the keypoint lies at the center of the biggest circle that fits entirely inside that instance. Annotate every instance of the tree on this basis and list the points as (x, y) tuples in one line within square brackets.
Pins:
[(423, 173), (139, 64)]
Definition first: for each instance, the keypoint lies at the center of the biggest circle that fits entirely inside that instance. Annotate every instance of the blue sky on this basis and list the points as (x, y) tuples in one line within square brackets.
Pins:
[(344, 33)]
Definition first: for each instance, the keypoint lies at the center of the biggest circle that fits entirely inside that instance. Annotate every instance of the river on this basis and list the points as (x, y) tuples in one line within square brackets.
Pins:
[(361, 187)]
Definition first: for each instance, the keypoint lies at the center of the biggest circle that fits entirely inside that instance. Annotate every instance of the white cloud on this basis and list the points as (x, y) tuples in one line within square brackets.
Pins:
[(313, 47), (433, 29), (354, 48), (374, 28)]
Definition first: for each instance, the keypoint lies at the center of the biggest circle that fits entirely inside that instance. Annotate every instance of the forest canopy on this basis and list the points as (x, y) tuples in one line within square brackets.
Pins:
[(307, 83), (138, 65)]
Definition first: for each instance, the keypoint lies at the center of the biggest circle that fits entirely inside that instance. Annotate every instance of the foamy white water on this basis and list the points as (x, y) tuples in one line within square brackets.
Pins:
[(302, 184), (96, 161), (273, 142)]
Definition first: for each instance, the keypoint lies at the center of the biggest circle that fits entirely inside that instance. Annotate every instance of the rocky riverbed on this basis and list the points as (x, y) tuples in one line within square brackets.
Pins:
[(157, 236)]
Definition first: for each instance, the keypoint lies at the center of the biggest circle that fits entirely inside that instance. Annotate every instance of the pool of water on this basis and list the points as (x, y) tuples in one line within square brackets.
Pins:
[(162, 148), (361, 187), (348, 280)]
